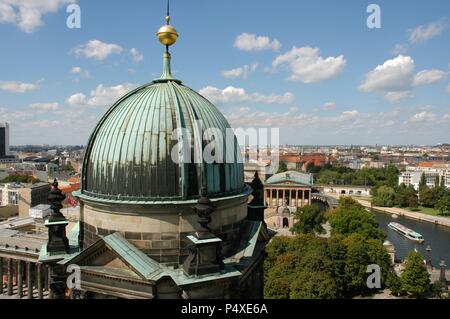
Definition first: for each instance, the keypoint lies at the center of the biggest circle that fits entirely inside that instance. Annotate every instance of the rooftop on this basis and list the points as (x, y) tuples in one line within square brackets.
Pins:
[(291, 177)]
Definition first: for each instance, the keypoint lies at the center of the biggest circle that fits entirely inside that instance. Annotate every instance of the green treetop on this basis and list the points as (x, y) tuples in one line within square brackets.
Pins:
[(415, 277)]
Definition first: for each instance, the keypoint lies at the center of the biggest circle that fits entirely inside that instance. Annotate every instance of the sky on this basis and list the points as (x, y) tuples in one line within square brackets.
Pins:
[(313, 69)]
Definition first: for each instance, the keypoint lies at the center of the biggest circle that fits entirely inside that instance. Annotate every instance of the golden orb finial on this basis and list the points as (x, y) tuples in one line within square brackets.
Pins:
[(167, 34)]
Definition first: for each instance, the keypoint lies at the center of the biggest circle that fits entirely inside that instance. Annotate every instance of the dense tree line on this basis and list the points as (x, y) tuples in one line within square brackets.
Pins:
[(309, 220), (309, 267), (364, 177), (437, 197), (28, 179)]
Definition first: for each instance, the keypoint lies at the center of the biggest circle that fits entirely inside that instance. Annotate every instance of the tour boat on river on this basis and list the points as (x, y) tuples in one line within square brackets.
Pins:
[(408, 233)]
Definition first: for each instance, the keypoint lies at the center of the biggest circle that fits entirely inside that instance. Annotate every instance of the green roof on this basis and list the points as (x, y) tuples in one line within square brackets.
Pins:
[(293, 177), (129, 154), (136, 259)]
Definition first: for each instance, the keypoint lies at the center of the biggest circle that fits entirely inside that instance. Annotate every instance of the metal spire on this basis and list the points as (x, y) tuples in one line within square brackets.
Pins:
[(167, 35), (168, 11)]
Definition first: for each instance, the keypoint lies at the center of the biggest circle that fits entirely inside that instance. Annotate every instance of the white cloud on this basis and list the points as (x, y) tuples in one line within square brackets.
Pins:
[(239, 95), (45, 106), (308, 66), (394, 75), (76, 70), (423, 33), (136, 55), (426, 77), (448, 88), (77, 99), (329, 106), (18, 87), (27, 15), (396, 78), (398, 96), (424, 117), (252, 42), (80, 73), (96, 49), (240, 72), (46, 123), (102, 96)]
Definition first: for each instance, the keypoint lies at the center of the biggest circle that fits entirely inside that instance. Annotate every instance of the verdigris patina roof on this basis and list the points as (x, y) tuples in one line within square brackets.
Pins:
[(291, 177), (129, 154)]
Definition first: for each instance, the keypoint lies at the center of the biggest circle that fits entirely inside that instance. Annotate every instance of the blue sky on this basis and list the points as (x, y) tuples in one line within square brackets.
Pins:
[(312, 68)]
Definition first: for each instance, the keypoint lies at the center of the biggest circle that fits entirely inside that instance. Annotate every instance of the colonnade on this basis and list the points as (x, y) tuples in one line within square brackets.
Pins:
[(293, 197), (22, 278)]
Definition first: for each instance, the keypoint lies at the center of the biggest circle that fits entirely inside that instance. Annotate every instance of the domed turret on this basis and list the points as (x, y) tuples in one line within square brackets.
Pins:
[(130, 155), (138, 181)]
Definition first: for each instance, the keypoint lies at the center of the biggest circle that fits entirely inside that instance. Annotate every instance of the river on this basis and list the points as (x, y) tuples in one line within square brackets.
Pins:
[(438, 237)]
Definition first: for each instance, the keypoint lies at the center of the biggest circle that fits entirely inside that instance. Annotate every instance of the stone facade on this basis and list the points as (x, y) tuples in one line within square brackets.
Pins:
[(161, 231)]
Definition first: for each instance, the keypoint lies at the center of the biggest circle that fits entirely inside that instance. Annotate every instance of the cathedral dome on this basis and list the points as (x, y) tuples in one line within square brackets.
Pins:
[(129, 155)]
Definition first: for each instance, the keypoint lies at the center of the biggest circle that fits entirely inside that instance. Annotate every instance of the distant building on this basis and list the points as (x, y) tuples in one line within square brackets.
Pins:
[(40, 212), (31, 196), (9, 194), (262, 167), (24, 196), (434, 171), (291, 189), (301, 162), (342, 190), (4, 139)]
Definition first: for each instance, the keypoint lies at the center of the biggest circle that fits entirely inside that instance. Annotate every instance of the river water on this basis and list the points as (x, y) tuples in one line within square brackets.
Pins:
[(438, 237)]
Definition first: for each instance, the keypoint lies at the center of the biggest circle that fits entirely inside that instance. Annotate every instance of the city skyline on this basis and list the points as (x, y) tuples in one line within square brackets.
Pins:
[(316, 71)]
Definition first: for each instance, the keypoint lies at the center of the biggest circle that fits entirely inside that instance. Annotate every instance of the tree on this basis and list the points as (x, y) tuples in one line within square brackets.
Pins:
[(362, 252), (310, 267), (429, 197), (277, 287), (394, 283), (443, 204), (28, 179), (406, 196), (415, 277), (351, 218), (437, 289), (437, 183), (312, 168), (385, 197), (310, 220), (314, 285), (278, 278), (282, 168), (423, 183)]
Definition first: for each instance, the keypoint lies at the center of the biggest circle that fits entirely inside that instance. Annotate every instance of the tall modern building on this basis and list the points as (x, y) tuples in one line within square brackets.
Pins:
[(4, 139)]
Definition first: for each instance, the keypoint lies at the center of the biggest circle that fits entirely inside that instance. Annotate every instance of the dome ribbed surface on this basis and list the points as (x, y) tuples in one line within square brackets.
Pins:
[(128, 157)]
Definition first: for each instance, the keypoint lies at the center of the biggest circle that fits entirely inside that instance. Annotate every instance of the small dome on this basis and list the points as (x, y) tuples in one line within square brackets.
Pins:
[(129, 155)]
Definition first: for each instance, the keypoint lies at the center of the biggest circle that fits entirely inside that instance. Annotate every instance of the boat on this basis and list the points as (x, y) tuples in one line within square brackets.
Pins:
[(395, 216), (408, 233)]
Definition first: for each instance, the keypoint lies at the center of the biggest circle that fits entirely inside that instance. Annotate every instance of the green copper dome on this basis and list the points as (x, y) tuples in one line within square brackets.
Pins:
[(129, 154)]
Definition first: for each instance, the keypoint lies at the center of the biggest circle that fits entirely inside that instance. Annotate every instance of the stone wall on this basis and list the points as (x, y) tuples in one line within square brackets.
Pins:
[(8, 211), (161, 231)]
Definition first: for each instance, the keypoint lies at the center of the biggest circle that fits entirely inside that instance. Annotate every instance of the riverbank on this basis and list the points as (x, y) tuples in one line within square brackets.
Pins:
[(437, 220)]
